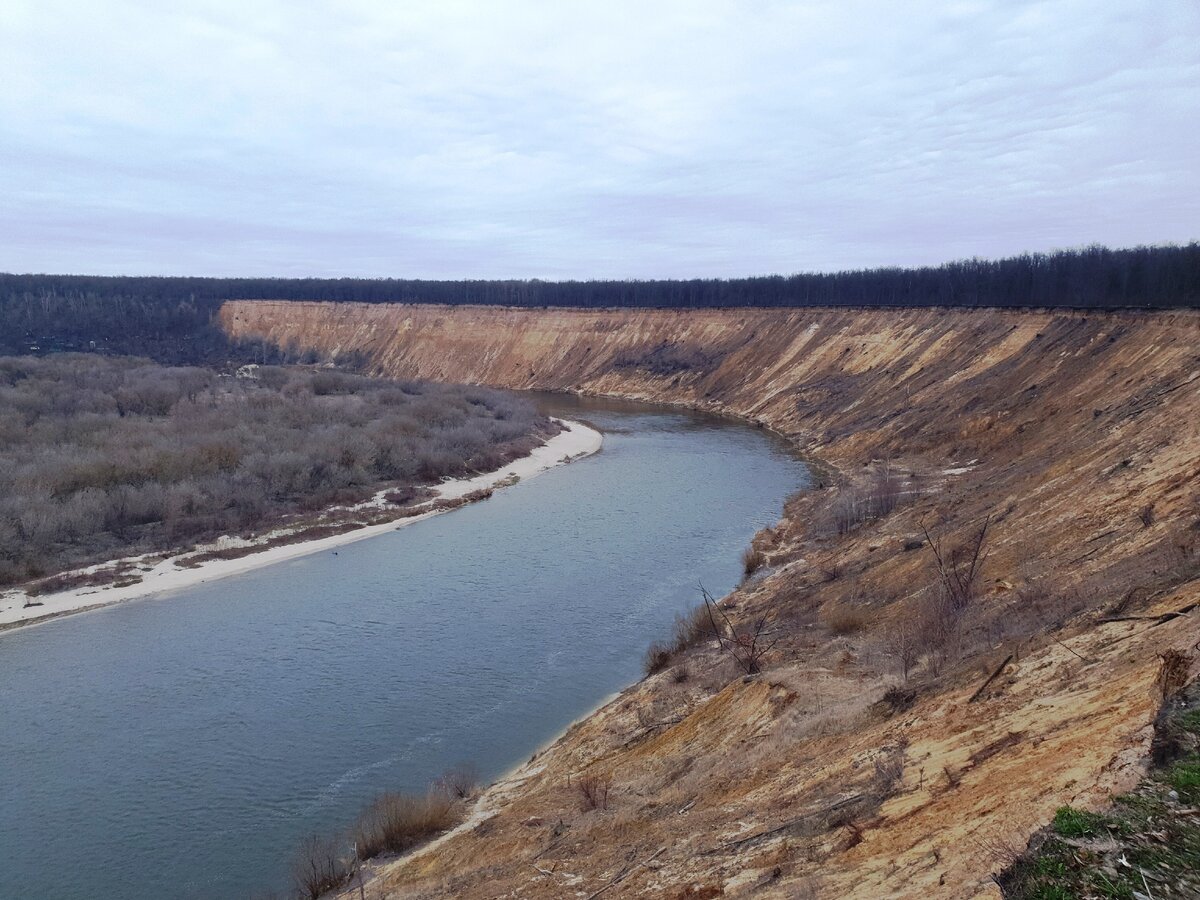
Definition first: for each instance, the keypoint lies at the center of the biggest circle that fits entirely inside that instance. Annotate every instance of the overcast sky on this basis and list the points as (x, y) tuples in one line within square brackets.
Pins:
[(571, 138)]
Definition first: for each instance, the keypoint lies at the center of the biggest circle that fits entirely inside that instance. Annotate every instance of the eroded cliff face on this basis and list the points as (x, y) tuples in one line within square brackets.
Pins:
[(1076, 437)]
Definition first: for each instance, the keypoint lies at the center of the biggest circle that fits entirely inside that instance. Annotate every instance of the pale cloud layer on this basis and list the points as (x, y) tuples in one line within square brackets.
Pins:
[(551, 138)]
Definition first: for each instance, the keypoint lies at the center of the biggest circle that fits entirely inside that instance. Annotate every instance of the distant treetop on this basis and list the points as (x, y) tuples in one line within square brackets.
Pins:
[(173, 318), (1089, 278)]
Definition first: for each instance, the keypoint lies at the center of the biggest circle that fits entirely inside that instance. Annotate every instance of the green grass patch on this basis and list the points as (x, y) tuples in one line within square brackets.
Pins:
[(1075, 823), (1118, 890), (1184, 777), (1050, 867), (1190, 721)]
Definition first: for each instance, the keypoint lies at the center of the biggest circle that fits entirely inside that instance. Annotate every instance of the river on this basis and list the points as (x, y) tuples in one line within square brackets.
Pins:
[(183, 745)]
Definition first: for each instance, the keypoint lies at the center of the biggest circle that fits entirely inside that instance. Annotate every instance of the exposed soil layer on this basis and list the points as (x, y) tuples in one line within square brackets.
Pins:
[(1075, 437), (1146, 844)]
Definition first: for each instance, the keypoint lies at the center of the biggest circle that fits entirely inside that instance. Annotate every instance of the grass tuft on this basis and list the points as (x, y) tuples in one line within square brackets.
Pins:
[(1184, 777), (1071, 822)]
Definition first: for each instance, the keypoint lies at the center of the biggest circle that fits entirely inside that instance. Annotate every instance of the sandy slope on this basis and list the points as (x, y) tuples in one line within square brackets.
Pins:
[(162, 576), (1078, 433)]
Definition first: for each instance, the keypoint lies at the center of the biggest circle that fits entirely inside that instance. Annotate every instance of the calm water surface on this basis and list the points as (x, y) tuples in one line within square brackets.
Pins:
[(181, 747)]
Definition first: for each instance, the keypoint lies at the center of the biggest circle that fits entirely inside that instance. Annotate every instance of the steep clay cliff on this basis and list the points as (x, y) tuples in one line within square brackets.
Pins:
[(1076, 436)]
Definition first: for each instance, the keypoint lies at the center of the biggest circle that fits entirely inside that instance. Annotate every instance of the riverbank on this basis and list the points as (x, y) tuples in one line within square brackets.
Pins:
[(158, 575), (1058, 430)]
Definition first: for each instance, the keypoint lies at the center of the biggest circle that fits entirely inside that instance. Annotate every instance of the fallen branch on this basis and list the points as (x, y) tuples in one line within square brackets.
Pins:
[(665, 723), (554, 843), (1157, 620), (791, 823), (621, 876), (983, 687), (1069, 650)]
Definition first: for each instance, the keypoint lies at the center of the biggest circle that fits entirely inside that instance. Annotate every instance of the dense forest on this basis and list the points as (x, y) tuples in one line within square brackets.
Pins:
[(173, 319), (101, 457)]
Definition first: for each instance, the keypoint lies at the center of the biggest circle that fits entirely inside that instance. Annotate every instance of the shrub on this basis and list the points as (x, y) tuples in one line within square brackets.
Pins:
[(752, 561), (889, 769), (885, 491), (408, 494), (747, 646), (691, 628), (959, 566), (856, 505), (658, 657), (458, 782), (318, 867), (846, 512), (395, 822), (832, 571), (904, 642), (107, 457), (899, 699), (593, 791)]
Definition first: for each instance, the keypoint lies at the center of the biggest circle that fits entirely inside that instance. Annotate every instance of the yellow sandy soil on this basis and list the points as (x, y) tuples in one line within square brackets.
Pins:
[(1079, 434)]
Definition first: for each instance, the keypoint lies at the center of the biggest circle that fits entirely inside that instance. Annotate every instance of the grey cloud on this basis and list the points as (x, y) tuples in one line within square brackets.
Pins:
[(591, 139)]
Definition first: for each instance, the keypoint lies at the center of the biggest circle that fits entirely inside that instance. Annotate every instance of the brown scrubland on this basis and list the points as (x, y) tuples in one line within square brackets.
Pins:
[(964, 627), (102, 457)]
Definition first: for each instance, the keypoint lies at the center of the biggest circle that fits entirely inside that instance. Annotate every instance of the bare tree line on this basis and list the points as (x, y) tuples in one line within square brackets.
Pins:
[(174, 319)]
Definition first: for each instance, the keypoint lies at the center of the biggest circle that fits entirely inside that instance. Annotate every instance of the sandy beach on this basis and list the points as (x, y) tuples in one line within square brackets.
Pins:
[(160, 575)]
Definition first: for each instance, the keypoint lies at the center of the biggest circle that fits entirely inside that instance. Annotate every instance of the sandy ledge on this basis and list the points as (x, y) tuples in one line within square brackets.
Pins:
[(575, 441)]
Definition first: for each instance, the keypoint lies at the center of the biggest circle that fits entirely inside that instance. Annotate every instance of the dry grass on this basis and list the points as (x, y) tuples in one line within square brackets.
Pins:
[(691, 628), (752, 560), (71, 580), (844, 617), (395, 822)]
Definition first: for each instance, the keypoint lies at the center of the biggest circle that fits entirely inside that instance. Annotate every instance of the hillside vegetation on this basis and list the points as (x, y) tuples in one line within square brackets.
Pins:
[(102, 457), (964, 629)]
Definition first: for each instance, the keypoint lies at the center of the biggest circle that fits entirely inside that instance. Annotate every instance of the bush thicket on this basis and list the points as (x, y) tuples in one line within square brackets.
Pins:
[(102, 456)]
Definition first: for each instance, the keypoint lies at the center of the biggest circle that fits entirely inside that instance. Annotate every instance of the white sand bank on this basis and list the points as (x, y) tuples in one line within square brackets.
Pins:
[(160, 575)]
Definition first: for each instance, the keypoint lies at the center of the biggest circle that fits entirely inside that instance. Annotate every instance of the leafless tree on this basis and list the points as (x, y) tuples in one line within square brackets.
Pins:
[(747, 647), (318, 867), (458, 781), (958, 567), (903, 642)]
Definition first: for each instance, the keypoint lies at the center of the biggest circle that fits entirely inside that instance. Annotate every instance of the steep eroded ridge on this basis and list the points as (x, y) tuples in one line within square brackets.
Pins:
[(1075, 437)]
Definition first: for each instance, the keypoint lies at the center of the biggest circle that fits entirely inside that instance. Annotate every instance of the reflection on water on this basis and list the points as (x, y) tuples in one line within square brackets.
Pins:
[(182, 747)]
